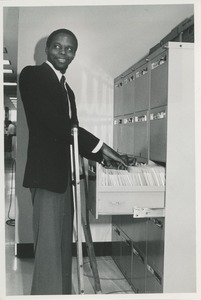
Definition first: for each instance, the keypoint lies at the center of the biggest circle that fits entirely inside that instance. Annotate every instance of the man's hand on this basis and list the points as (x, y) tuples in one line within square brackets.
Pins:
[(113, 159)]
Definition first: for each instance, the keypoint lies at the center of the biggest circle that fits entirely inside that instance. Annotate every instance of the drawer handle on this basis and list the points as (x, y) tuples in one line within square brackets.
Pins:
[(157, 222), (154, 273), (128, 120), (115, 203), (137, 254), (142, 118), (142, 72), (158, 115), (159, 62), (128, 243), (117, 231)]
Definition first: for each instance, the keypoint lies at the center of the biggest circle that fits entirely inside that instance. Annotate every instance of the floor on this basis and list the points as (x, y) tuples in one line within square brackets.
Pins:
[(19, 271)]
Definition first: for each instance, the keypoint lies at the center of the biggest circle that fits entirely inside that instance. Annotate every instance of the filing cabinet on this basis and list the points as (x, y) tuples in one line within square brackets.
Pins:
[(158, 246)]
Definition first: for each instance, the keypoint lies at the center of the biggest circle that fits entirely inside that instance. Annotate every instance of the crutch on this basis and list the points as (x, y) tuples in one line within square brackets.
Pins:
[(88, 237), (77, 204), (80, 220)]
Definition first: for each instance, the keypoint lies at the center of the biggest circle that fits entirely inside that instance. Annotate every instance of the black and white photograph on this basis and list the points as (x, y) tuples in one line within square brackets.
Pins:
[(101, 149)]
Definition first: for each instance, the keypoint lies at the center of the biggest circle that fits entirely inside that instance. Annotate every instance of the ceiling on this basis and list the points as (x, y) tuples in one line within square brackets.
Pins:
[(147, 24)]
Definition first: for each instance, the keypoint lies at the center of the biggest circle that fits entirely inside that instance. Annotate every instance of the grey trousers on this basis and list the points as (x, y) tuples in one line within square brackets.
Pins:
[(52, 228)]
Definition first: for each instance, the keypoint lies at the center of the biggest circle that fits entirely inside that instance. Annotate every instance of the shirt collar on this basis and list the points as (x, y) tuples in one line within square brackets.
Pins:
[(58, 73)]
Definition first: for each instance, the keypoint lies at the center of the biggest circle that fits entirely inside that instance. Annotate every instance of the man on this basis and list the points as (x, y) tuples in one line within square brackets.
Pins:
[(51, 111), (11, 129)]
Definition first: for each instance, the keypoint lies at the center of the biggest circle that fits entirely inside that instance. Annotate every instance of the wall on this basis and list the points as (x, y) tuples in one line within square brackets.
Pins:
[(94, 95)]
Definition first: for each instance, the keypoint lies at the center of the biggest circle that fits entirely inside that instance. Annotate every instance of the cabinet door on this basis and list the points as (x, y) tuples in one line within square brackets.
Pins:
[(158, 134), (159, 80), (118, 97), (127, 142), (155, 243), (141, 144), (142, 88), (138, 270), (128, 94)]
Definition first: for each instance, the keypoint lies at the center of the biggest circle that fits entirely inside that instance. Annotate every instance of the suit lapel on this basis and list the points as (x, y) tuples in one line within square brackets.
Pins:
[(54, 86)]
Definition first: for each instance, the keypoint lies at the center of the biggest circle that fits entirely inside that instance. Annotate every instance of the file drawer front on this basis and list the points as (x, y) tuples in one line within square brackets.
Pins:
[(118, 96), (141, 134), (118, 133), (116, 245), (114, 203), (128, 94), (126, 256), (138, 270), (142, 88), (155, 242), (159, 79), (154, 281), (158, 134), (136, 230), (127, 142)]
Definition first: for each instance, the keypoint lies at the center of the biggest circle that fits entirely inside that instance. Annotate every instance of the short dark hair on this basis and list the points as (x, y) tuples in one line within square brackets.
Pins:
[(62, 30)]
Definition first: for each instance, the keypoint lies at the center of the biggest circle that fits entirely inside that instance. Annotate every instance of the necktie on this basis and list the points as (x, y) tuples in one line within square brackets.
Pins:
[(65, 92)]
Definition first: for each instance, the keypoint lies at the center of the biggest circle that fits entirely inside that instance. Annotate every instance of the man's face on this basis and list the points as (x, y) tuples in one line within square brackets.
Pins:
[(61, 51)]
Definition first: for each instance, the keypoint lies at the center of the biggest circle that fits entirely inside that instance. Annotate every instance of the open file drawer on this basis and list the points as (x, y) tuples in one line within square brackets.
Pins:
[(121, 200)]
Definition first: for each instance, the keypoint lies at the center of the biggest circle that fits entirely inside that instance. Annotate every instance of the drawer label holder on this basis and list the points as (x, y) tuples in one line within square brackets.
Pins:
[(143, 212)]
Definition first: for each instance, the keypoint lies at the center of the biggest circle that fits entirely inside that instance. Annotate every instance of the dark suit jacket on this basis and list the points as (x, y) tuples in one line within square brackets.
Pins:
[(48, 155)]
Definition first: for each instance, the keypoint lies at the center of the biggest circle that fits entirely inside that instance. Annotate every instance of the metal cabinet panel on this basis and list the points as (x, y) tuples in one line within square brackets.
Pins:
[(118, 134), (155, 243), (154, 282), (126, 256), (118, 97), (142, 88), (158, 134), (128, 94), (116, 220), (135, 229), (159, 80), (116, 245), (127, 141), (141, 144), (138, 270), (115, 134)]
